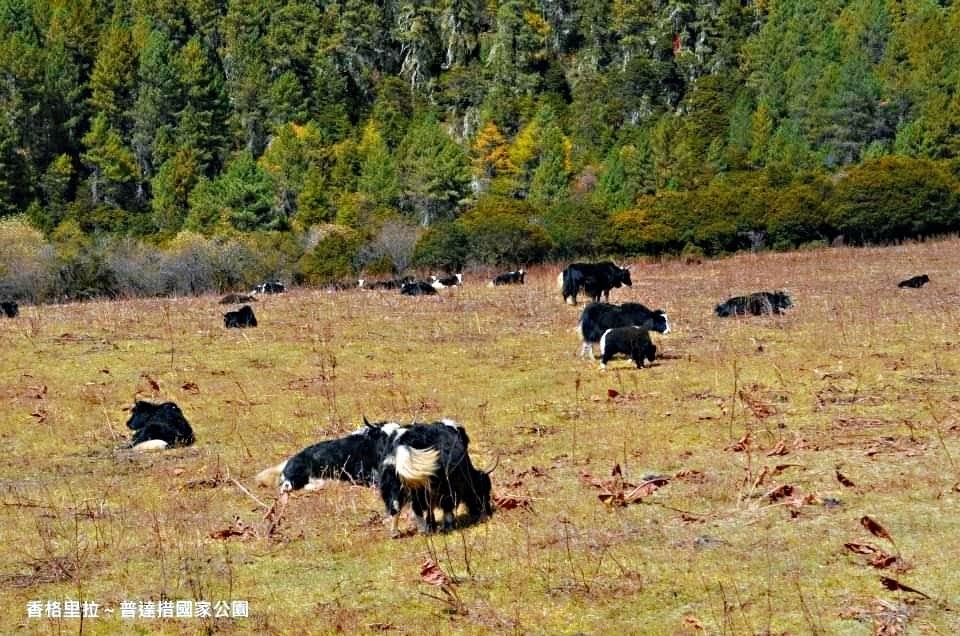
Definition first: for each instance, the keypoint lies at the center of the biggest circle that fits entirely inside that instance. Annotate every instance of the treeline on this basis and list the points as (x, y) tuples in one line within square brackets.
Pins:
[(349, 135)]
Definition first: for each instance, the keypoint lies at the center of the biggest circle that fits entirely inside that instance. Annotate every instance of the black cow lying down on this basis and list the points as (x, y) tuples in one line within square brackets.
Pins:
[(418, 288), (158, 426), (241, 318), (354, 458), (509, 278), (915, 281), (755, 304), (633, 342)]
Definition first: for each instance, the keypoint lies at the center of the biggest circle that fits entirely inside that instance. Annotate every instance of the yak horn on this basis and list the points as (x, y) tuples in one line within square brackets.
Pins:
[(496, 462)]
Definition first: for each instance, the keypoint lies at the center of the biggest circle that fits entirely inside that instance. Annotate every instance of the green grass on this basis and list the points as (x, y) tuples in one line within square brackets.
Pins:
[(860, 378)]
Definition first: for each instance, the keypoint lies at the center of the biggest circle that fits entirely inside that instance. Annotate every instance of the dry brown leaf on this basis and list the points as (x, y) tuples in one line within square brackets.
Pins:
[(694, 476), (895, 585), (779, 449), (844, 481), (882, 560), (875, 528), (862, 548), (509, 502), (740, 445), (154, 385), (760, 478), (612, 393), (431, 573), (237, 529), (692, 622), (780, 492), (645, 489)]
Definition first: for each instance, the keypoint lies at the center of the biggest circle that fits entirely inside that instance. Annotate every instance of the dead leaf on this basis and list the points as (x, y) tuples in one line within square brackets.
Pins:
[(645, 489), (740, 445), (882, 561), (237, 529), (895, 585), (693, 623), (612, 393), (780, 492), (191, 387), (779, 449), (875, 528), (760, 478), (844, 481), (154, 385), (509, 502), (861, 548), (431, 573)]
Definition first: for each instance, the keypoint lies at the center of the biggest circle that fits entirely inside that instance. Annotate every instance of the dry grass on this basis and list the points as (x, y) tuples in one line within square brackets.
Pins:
[(751, 427)]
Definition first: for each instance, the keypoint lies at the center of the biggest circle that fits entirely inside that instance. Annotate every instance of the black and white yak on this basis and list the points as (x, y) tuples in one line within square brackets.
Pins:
[(418, 288), (596, 318), (429, 466), (509, 278), (633, 342), (755, 304), (442, 282), (354, 458), (158, 426)]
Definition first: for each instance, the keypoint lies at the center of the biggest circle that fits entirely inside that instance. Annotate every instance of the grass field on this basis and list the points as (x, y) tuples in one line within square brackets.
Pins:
[(790, 474)]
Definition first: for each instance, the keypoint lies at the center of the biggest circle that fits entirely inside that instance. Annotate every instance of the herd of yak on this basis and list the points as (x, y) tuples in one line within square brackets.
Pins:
[(427, 465)]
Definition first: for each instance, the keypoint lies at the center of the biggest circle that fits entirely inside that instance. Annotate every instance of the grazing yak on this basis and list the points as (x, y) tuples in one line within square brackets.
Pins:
[(915, 281), (354, 458), (240, 318), (10, 308), (236, 299), (633, 342), (595, 279), (393, 283), (509, 278), (158, 426), (269, 287), (755, 304), (429, 465), (596, 318), (441, 282), (418, 288)]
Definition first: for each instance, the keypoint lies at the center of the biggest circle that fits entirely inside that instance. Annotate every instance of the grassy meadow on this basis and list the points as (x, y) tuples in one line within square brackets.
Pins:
[(792, 474)]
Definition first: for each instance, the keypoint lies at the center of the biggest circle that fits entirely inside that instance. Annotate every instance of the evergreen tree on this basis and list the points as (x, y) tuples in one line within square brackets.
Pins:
[(435, 173)]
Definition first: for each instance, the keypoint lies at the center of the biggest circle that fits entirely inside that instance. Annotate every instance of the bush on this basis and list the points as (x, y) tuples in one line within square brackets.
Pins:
[(335, 256), (26, 261), (503, 231), (895, 198), (442, 247)]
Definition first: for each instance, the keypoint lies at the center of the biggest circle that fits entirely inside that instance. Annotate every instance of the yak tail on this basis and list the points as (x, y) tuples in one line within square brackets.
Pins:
[(416, 466), (271, 477), (150, 445)]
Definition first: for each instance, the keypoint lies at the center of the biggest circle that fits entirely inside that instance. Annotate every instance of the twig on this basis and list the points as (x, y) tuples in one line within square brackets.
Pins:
[(248, 493)]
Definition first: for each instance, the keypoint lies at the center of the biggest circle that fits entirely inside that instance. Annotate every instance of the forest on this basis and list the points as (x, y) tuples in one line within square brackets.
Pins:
[(181, 146)]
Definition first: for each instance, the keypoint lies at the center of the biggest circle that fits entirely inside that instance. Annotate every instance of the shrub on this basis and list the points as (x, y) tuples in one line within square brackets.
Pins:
[(334, 256), (26, 260), (505, 231), (895, 198)]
